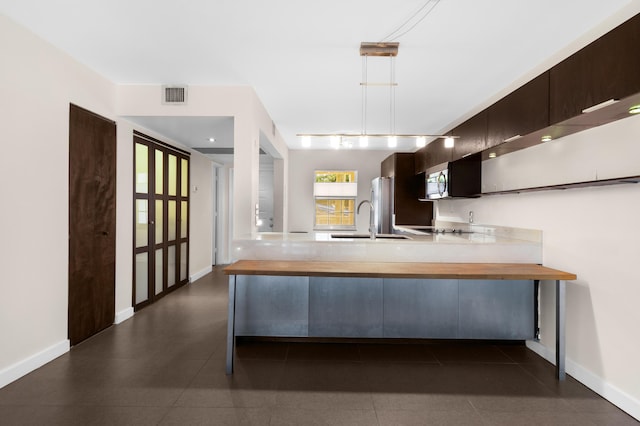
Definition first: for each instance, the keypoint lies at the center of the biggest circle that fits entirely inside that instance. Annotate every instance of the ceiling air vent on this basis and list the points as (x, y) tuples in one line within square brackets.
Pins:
[(174, 95)]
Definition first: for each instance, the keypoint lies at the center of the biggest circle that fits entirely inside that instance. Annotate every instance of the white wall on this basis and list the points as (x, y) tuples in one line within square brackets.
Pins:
[(302, 164), (592, 232), (280, 195), (604, 152), (124, 221), (250, 118), (37, 83), (200, 216), (200, 203)]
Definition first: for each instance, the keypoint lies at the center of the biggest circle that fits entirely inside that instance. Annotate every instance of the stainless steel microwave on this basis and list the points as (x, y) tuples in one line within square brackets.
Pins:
[(437, 185), (460, 178)]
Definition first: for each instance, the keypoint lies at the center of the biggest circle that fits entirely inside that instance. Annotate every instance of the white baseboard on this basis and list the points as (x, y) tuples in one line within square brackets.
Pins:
[(200, 274), (611, 393), (123, 315), (26, 366)]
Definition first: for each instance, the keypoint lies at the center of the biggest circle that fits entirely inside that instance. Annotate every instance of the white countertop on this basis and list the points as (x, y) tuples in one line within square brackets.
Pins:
[(491, 245)]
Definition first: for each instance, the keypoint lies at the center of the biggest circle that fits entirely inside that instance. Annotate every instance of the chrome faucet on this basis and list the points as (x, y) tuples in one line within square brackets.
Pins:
[(372, 225)]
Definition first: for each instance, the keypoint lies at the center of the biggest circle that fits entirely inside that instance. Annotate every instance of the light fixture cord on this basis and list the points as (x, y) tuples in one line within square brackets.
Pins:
[(394, 36), (392, 96), (364, 95)]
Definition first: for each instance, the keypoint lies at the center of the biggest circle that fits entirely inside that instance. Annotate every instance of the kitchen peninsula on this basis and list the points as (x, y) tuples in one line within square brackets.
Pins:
[(476, 244), (286, 285)]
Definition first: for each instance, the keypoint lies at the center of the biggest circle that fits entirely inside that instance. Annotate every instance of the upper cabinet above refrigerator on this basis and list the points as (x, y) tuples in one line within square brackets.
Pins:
[(406, 186)]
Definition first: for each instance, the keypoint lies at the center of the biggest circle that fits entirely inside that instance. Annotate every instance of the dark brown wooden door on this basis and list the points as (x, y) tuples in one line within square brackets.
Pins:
[(92, 223)]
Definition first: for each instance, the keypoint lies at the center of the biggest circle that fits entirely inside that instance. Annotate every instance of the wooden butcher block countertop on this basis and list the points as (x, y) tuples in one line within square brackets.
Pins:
[(480, 271)]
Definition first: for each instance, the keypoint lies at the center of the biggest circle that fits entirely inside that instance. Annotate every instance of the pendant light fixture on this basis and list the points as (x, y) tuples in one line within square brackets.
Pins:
[(344, 140)]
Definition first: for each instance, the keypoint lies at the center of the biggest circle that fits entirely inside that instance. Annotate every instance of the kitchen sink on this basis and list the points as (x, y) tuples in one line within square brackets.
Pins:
[(378, 236)]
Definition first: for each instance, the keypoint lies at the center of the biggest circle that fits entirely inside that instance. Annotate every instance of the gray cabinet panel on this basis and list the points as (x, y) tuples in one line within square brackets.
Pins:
[(272, 306), (420, 308), (501, 309), (345, 307)]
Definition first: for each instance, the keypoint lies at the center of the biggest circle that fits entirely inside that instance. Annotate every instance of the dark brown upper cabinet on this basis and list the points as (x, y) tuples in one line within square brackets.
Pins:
[(472, 136), (552, 104), (608, 68), (523, 111), (431, 155), (408, 210)]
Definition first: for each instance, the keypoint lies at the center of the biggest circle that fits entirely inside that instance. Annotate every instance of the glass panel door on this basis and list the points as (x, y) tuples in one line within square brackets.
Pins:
[(142, 223), (141, 237), (161, 207), (142, 278)]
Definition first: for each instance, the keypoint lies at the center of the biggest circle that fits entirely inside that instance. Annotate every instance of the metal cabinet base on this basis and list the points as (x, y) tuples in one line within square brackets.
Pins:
[(420, 308), (272, 306), (496, 309), (277, 306), (345, 307)]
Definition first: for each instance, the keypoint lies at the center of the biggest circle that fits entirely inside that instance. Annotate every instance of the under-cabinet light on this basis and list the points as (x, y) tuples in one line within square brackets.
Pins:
[(546, 138), (392, 142), (212, 140), (364, 141), (512, 138), (421, 142), (306, 141), (599, 106), (492, 155), (634, 109)]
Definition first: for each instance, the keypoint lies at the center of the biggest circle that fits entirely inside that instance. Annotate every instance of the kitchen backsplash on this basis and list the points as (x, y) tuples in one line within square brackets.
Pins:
[(533, 235)]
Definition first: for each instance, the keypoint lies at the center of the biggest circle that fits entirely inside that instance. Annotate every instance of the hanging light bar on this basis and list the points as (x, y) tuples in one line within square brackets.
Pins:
[(376, 49), (379, 48), (375, 135), (448, 142)]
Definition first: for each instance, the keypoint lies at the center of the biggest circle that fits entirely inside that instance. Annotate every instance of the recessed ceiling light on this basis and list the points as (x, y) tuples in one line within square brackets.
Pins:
[(492, 155), (546, 138), (212, 140), (634, 109)]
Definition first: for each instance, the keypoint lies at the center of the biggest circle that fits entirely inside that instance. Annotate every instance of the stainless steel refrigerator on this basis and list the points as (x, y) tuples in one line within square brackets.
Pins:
[(382, 201)]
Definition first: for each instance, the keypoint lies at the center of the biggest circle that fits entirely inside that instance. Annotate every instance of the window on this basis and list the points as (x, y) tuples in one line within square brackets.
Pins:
[(335, 194)]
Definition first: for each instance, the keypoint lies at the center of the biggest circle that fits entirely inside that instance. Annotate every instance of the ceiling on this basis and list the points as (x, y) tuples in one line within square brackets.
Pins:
[(302, 58)]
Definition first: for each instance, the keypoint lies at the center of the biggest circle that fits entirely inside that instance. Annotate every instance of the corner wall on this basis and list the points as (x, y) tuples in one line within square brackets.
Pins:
[(250, 118), (302, 164), (592, 232), (37, 83)]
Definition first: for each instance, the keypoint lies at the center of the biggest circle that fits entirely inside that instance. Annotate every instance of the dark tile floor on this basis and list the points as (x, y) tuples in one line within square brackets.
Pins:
[(165, 366)]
